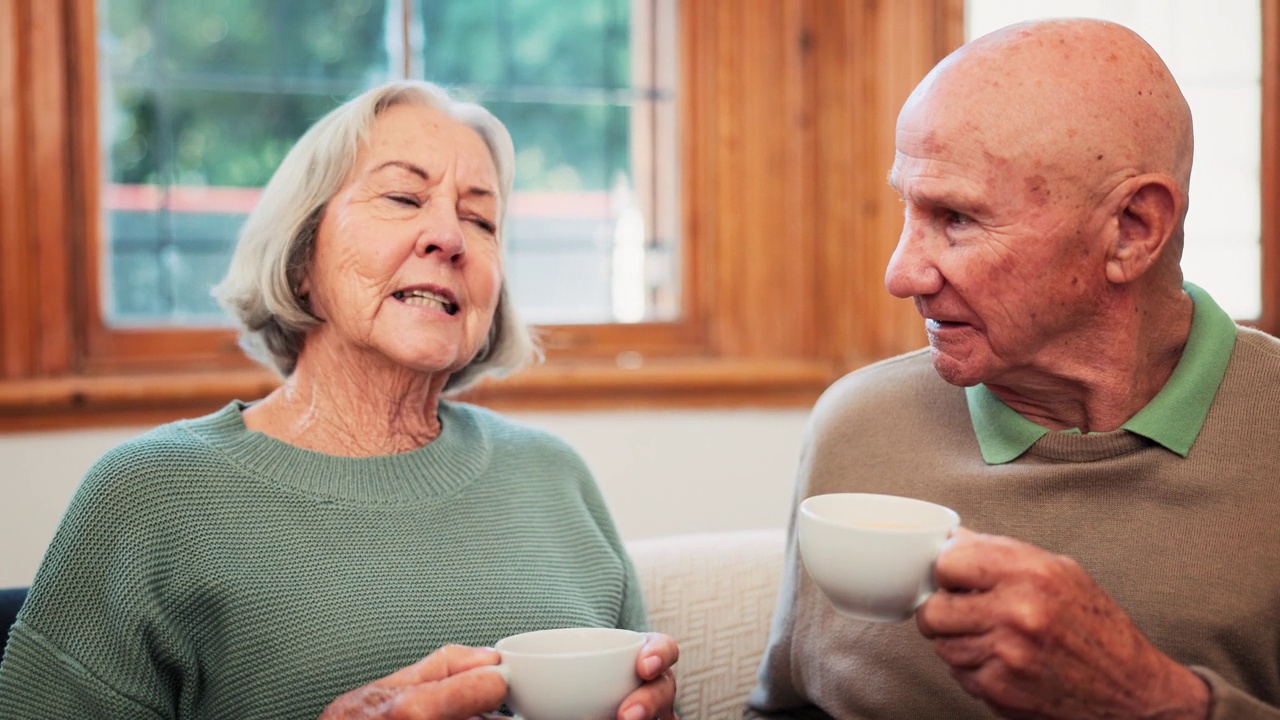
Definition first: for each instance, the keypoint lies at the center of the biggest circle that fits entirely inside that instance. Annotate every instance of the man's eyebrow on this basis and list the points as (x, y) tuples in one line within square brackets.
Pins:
[(420, 172), (893, 182)]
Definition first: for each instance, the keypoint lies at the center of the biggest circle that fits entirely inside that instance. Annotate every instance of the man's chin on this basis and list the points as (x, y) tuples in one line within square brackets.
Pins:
[(953, 370)]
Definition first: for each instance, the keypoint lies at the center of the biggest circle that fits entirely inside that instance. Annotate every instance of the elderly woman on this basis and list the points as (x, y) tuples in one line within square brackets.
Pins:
[(298, 556)]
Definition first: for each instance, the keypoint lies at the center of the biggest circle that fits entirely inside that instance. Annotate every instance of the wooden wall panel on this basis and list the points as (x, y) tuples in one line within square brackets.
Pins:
[(17, 324), (50, 176), (898, 44), (1270, 180)]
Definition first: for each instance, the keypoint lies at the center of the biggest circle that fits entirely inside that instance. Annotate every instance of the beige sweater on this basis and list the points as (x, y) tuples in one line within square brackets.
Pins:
[(1189, 547)]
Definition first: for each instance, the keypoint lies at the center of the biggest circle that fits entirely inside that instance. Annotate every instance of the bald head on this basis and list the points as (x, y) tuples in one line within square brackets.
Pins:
[(1087, 98)]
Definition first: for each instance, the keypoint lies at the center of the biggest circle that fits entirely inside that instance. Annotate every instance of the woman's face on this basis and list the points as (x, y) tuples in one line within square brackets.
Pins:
[(407, 265)]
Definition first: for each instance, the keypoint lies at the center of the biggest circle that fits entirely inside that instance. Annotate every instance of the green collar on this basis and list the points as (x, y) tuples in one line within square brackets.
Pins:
[(1174, 416)]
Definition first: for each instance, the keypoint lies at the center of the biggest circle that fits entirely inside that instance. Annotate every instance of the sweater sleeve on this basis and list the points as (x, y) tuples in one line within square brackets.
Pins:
[(91, 639), (1231, 703), (39, 681), (631, 614)]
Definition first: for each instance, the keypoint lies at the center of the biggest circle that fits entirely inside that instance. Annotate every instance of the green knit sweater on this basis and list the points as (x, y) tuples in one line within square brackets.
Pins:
[(206, 571)]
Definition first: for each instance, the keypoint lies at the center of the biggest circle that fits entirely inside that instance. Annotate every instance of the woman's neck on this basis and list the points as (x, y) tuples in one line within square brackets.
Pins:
[(351, 409)]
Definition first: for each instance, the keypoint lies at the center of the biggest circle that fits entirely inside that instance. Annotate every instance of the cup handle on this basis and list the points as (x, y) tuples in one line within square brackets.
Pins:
[(930, 587)]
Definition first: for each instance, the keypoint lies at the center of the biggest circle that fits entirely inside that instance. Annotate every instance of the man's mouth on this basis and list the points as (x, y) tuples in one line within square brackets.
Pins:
[(932, 324), (426, 298)]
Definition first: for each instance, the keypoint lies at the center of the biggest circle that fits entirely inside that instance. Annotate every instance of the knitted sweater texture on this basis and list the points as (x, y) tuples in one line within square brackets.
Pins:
[(206, 571), (1190, 548)]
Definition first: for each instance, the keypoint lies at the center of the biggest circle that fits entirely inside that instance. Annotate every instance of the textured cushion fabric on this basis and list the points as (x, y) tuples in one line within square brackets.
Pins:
[(714, 593)]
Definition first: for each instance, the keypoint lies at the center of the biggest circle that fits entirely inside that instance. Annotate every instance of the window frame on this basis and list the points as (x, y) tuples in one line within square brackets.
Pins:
[(786, 112)]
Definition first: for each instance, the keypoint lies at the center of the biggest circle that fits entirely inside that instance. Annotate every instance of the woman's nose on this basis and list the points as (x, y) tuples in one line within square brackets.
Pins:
[(441, 233), (911, 270)]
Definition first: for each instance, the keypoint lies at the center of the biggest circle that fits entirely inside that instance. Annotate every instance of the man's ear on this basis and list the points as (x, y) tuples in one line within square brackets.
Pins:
[(1149, 211)]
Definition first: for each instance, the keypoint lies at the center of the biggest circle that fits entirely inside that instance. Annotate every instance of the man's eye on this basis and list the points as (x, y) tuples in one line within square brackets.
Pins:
[(957, 218)]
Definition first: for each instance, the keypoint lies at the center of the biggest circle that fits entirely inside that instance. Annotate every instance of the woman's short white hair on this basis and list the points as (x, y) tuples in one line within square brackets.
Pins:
[(275, 245)]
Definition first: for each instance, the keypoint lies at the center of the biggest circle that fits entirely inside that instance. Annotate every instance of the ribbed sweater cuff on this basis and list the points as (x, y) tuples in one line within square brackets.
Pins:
[(1228, 702)]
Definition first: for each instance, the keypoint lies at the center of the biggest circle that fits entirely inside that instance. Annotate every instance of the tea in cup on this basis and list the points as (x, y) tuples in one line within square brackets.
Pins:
[(570, 673), (872, 555)]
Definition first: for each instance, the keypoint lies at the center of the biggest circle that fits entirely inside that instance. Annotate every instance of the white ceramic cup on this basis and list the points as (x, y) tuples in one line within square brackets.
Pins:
[(872, 555), (570, 673)]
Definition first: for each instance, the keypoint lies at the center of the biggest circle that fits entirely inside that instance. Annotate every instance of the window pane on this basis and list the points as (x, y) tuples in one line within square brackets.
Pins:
[(202, 99), (1215, 52), (587, 89)]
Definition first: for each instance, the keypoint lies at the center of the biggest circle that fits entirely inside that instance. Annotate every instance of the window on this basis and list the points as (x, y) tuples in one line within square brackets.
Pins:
[(784, 219), (1215, 52), (201, 100)]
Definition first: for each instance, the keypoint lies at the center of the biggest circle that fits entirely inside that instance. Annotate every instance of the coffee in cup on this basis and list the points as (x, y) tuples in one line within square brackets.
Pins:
[(872, 555), (579, 673)]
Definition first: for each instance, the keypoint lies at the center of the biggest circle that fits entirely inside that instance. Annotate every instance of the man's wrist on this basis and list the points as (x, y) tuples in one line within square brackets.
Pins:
[(1186, 696)]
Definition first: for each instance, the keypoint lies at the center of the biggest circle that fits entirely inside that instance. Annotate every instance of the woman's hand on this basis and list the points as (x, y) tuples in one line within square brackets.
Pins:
[(657, 696), (452, 683)]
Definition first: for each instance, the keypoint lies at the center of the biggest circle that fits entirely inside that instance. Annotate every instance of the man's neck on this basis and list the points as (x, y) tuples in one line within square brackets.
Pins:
[(1107, 382)]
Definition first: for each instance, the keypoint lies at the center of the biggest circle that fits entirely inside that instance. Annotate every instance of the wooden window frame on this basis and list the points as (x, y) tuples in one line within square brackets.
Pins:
[(786, 111)]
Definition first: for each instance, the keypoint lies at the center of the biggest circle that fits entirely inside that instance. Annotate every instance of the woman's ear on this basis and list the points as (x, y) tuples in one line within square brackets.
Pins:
[(1149, 212)]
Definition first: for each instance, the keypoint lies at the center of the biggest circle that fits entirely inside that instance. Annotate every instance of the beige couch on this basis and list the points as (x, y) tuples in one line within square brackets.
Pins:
[(714, 593)]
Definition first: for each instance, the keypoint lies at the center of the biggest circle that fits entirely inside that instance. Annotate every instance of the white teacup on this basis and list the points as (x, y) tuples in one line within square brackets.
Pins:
[(570, 673), (872, 555)]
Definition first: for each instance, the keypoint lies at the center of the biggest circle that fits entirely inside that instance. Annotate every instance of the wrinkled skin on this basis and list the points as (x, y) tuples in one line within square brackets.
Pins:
[(1040, 242), (420, 211), (1044, 171), (1033, 636)]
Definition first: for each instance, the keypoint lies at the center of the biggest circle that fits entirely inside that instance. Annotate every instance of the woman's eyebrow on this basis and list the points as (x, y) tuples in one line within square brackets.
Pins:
[(420, 172), (415, 169)]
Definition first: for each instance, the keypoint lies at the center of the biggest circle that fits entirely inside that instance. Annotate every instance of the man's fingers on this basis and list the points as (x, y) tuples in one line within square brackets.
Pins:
[(963, 652), (971, 561)]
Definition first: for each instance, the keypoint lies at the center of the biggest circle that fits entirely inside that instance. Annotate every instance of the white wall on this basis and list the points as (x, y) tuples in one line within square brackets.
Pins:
[(662, 473)]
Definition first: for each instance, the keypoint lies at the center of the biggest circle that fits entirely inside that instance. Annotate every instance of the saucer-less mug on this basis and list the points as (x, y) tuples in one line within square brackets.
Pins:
[(570, 673), (872, 555)]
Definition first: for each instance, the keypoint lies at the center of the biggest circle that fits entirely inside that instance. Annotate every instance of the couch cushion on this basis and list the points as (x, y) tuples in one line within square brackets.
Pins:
[(714, 593)]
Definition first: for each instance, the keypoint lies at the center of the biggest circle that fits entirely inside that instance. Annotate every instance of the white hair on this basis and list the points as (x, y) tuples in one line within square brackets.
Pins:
[(275, 246)]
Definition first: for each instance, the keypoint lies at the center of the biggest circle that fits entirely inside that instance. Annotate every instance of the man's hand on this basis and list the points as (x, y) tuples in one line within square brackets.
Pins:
[(1033, 636)]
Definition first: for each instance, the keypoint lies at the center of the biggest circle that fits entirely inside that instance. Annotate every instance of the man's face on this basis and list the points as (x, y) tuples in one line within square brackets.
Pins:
[(996, 248)]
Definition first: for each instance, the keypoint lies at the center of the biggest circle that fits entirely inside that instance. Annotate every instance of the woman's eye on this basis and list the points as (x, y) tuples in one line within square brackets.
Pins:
[(406, 200), (483, 224)]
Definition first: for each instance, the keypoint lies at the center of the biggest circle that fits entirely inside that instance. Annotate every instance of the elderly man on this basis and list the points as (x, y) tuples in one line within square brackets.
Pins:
[(1110, 438)]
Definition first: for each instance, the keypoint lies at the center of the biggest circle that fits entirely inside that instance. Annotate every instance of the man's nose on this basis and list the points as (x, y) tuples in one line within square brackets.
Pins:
[(911, 269)]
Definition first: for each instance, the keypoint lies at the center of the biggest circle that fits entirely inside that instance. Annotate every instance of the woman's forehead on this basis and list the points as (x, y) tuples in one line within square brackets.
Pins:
[(428, 137)]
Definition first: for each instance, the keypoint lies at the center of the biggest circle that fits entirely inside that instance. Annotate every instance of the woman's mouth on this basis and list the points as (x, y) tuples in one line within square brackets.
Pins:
[(426, 298)]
